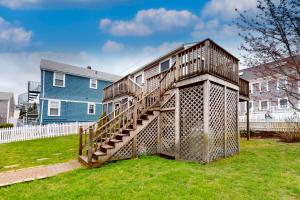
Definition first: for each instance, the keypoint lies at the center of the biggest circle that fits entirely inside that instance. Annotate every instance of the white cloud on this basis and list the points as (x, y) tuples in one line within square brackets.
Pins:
[(161, 49), (147, 22), (226, 8), (112, 46), (13, 37), (18, 3)]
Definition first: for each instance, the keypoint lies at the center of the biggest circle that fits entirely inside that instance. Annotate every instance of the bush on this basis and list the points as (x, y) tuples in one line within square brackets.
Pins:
[(6, 125), (243, 133), (290, 137)]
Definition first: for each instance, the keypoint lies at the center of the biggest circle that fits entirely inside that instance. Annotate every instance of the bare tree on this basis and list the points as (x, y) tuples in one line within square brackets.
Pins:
[(271, 38)]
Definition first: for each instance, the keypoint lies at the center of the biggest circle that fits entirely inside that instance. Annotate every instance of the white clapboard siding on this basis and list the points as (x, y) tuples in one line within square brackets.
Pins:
[(40, 131)]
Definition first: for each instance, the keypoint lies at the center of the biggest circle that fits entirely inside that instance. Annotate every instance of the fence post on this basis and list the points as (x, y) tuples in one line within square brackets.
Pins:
[(80, 140), (90, 149), (248, 123)]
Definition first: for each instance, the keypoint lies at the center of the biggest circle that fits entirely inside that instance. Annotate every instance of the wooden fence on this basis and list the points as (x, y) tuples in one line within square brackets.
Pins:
[(23, 133)]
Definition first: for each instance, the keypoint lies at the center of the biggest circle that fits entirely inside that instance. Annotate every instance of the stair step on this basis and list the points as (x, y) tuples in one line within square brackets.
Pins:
[(106, 146), (150, 112), (126, 131), (99, 153), (120, 136), (139, 121), (84, 160), (113, 142), (144, 117)]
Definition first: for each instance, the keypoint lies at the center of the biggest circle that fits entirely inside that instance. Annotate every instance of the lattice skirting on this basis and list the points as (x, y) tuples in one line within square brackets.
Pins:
[(191, 123), (125, 152), (147, 139)]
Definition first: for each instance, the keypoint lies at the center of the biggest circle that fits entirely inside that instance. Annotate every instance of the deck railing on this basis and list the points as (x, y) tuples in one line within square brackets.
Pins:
[(125, 86), (244, 87)]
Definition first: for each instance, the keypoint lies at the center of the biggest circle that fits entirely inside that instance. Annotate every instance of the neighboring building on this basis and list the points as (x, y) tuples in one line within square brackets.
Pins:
[(7, 106), (71, 94), (266, 89)]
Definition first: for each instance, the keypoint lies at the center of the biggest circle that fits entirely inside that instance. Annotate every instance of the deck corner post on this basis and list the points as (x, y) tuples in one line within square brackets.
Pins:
[(206, 120), (225, 122), (80, 141), (159, 133), (177, 124), (248, 122), (90, 148)]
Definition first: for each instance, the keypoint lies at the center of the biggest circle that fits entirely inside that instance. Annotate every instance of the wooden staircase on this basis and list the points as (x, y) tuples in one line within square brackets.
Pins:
[(101, 141)]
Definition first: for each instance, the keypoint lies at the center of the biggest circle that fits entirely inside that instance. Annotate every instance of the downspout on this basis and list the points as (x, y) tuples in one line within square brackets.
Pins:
[(42, 109)]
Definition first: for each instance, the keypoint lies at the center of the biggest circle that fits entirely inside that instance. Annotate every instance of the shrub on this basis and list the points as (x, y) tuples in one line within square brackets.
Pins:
[(290, 137), (6, 125), (243, 133)]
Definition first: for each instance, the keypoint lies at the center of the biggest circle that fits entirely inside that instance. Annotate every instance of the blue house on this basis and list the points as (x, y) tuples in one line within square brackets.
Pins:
[(71, 94)]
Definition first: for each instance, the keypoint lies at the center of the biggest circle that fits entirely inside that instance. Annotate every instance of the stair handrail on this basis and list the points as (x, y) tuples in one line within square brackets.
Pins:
[(137, 90), (98, 136), (167, 84)]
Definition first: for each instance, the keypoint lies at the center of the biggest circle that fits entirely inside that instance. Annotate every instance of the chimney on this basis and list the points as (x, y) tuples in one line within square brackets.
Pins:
[(89, 67)]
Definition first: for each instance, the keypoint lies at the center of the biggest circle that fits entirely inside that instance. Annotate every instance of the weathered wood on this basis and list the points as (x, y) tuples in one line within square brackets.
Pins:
[(206, 120), (177, 124), (248, 124), (90, 148), (80, 140), (225, 121)]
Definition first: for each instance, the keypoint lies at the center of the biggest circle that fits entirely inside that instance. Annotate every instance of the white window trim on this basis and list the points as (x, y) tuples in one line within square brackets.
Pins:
[(279, 107), (268, 105), (170, 59), (260, 83), (88, 110), (138, 74), (59, 108), (91, 83), (54, 77), (251, 88), (278, 82)]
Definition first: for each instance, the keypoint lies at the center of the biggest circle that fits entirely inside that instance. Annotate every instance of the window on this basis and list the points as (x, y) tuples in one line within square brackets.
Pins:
[(283, 103), (53, 108), (250, 88), (91, 108), (164, 65), (93, 83), (281, 83), (264, 86), (255, 87), (59, 79), (264, 105), (139, 79)]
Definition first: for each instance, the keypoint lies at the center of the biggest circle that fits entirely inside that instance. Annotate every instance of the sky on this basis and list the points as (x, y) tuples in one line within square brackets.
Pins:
[(115, 36)]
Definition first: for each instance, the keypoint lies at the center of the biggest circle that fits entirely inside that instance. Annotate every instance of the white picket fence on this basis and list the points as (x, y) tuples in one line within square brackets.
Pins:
[(40, 131)]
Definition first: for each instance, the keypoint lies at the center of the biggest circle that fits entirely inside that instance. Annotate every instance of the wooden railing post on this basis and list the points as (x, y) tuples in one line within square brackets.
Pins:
[(135, 115), (80, 141), (90, 148)]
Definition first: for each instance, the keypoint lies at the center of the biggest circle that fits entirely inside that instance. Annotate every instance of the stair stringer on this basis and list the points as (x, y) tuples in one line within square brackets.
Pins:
[(126, 141), (171, 94)]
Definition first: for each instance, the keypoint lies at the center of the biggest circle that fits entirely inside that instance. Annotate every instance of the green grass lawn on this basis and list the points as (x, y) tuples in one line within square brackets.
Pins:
[(27, 153), (265, 169)]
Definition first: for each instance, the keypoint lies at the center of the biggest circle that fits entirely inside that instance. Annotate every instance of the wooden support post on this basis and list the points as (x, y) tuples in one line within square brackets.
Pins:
[(177, 70), (206, 120), (248, 124), (177, 124), (90, 149), (134, 147), (80, 141), (225, 122), (135, 115), (159, 133)]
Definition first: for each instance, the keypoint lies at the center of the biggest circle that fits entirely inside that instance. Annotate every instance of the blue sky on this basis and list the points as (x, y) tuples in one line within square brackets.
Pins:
[(115, 36)]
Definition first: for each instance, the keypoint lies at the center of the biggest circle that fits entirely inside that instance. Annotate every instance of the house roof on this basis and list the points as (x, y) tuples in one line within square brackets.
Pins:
[(79, 71), (6, 95), (269, 69)]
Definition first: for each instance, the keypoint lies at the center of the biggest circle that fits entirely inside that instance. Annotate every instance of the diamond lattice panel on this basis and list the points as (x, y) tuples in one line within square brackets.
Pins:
[(191, 123), (124, 152), (168, 132), (147, 139), (216, 121), (232, 143), (170, 103)]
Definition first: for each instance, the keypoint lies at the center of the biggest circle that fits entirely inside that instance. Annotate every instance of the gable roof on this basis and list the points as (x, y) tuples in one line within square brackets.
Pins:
[(6, 95), (79, 71)]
